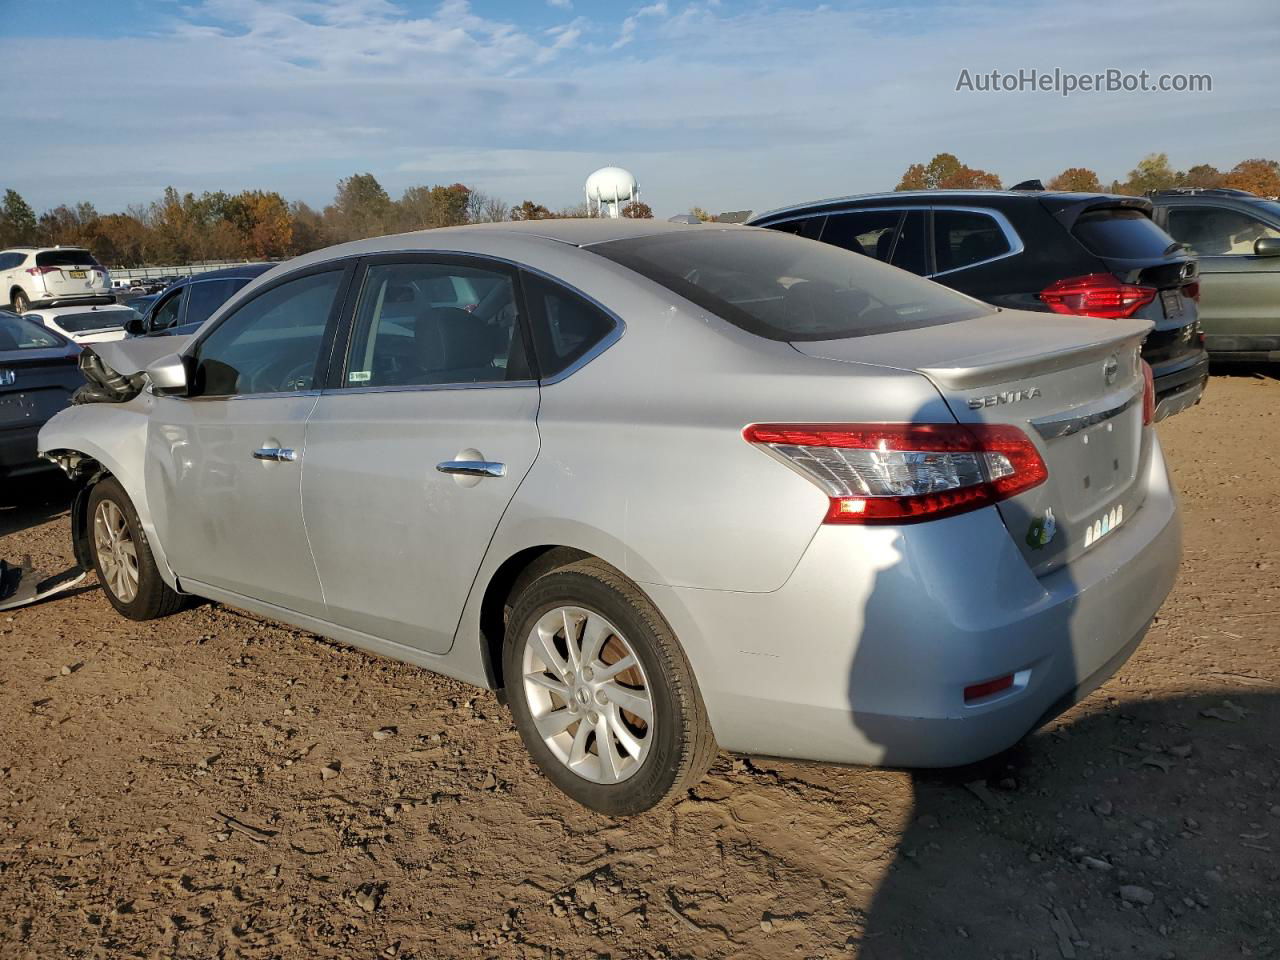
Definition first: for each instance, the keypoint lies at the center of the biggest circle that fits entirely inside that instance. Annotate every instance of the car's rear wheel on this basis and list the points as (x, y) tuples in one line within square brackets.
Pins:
[(602, 693), (19, 302), (122, 558)]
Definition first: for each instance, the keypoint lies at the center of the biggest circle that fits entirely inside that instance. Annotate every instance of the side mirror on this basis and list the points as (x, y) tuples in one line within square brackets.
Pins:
[(1266, 247), (134, 326), (168, 376)]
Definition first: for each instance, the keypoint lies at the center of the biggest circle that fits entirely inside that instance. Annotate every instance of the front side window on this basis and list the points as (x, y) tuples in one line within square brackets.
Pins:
[(911, 251), (1217, 231), (206, 296), (272, 344), (166, 314), (962, 238), (18, 333), (781, 288), (869, 232), (424, 323)]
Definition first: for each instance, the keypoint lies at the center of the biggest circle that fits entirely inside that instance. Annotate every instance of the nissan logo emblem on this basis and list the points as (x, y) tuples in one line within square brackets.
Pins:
[(1110, 367)]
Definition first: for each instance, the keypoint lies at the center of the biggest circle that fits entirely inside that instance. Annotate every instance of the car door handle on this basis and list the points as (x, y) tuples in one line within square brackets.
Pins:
[(276, 454), (473, 468)]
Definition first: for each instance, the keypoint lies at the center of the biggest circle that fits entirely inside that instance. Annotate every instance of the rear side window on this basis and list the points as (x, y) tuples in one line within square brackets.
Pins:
[(780, 288), (869, 232), (93, 320), (166, 315), (565, 326), (962, 238), (65, 258), (206, 296), (1120, 232), (19, 334)]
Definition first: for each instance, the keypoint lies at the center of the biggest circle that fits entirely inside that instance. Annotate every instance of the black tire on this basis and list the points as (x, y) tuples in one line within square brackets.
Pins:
[(154, 598), (19, 302), (683, 746)]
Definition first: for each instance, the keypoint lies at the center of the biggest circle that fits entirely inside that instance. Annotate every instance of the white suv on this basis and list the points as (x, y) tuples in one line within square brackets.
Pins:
[(52, 276)]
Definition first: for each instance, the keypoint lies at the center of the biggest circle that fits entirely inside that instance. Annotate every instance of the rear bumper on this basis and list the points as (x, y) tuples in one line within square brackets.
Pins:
[(79, 299), (864, 654), (1180, 383)]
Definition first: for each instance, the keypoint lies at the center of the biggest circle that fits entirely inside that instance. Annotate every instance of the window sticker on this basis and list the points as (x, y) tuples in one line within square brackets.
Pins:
[(359, 376)]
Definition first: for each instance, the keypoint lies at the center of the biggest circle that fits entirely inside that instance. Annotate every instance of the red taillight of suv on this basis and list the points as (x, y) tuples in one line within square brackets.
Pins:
[(1192, 290), (905, 472), (1096, 295), (40, 271)]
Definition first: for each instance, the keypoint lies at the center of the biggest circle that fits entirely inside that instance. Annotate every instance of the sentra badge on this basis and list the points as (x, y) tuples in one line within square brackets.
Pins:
[(1007, 396)]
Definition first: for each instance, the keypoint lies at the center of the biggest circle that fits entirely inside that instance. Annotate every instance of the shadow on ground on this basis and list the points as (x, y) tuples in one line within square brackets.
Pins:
[(29, 501), (1145, 829)]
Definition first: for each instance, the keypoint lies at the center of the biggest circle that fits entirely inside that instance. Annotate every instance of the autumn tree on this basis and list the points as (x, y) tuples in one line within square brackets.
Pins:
[(482, 208), (529, 210), (17, 220), (946, 172), (424, 207), (267, 226), (637, 210), (307, 231), (1257, 176), (360, 209), (1152, 173), (1076, 180), (701, 214), (1202, 176)]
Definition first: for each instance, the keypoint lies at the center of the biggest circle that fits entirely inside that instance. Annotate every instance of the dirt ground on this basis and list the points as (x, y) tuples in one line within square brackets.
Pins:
[(163, 791)]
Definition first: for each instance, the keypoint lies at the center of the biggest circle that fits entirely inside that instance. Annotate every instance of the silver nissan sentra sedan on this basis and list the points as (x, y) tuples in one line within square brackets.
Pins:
[(670, 488)]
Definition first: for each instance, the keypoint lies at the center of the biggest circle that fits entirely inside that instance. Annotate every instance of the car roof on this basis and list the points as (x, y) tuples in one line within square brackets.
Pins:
[(982, 197), (243, 271)]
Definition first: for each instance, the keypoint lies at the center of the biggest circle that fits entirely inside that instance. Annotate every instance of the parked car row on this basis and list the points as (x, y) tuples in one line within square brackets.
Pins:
[(667, 487)]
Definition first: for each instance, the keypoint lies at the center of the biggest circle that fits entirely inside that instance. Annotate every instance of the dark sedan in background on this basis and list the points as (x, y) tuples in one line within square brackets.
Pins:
[(38, 373), (1031, 249), (190, 301)]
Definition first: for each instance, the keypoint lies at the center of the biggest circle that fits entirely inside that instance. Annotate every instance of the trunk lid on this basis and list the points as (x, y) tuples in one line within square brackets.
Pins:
[(35, 384), (69, 273), (1074, 385)]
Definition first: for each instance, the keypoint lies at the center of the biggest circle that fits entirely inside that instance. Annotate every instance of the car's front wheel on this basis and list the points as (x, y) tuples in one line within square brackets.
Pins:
[(602, 694), (122, 558), (19, 302)]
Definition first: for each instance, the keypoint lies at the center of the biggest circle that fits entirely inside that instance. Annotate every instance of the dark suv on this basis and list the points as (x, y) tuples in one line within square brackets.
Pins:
[(1073, 253), (190, 301), (1237, 237)]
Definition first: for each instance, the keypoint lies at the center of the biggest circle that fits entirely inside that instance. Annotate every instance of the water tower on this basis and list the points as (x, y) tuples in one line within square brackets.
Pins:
[(609, 189)]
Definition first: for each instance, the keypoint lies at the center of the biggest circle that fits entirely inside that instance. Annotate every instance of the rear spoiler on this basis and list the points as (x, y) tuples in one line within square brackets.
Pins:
[(1067, 208)]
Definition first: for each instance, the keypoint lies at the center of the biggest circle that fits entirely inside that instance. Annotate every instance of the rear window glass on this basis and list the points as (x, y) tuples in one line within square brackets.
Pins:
[(65, 258), (1123, 233), (782, 288), (17, 333), (93, 320)]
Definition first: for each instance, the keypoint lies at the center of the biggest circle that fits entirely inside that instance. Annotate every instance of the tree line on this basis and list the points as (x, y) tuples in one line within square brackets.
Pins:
[(1153, 172), (262, 225), (258, 224)]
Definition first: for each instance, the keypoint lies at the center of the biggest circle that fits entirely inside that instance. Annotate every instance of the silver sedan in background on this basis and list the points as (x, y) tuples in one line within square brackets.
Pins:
[(670, 488)]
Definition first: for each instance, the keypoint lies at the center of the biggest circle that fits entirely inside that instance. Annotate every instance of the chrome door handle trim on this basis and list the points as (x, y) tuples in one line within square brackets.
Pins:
[(276, 454), (473, 468)]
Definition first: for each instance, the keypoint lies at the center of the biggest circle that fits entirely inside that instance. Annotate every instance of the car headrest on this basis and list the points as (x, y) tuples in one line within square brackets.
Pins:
[(448, 338)]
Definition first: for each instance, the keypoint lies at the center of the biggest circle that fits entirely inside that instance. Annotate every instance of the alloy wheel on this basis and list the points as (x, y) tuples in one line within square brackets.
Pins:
[(116, 551), (588, 694)]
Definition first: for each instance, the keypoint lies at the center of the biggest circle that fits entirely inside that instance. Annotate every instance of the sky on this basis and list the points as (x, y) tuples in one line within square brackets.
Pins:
[(725, 105)]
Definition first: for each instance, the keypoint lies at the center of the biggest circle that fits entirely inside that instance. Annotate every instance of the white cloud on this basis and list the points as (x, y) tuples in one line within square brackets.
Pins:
[(561, 4), (726, 107), (632, 23)]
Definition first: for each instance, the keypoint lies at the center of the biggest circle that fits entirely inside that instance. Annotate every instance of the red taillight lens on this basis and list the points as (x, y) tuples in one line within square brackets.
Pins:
[(905, 472), (1192, 291), (1148, 395), (38, 271), (1096, 295)]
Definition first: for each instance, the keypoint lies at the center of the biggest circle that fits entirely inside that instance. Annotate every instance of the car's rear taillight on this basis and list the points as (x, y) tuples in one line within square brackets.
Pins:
[(905, 472), (1148, 395), (40, 271), (1192, 291), (1096, 295)]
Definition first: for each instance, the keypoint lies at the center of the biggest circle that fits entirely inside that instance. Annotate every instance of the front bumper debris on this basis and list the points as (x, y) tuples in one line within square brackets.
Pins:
[(21, 585)]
